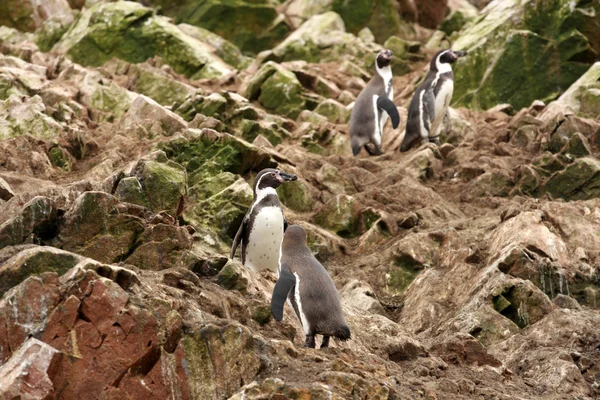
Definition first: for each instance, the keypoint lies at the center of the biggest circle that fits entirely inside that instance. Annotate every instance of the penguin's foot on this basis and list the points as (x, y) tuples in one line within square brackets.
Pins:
[(310, 342), (325, 342), (375, 151)]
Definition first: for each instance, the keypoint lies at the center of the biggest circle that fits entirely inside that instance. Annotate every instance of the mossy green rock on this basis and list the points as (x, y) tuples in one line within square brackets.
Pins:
[(495, 183), (209, 152), (530, 44), (226, 50), (334, 112), (341, 215), (35, 261), (131, 32), (528, 182), (380, 16), (163, 184), (296, 195), (130, 190), (582, 98), (232, 276), (577, 147), (579, 181), (60, 158), (253, 25), (52, 30), (38, 219), (213, 354), (282, 93), (323, 38), (547, 163), (20, 116), (161, 246), (95, 228), (26, 16)]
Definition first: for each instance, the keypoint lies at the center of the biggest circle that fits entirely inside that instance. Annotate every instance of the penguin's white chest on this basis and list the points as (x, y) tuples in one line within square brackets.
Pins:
[(264, 241), (442, 101)]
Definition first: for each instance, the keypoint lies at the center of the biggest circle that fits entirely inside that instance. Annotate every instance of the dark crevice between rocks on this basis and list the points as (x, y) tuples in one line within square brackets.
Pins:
[(125, 278), (504, 304), (118, 179), (142, 366), (475, 332)]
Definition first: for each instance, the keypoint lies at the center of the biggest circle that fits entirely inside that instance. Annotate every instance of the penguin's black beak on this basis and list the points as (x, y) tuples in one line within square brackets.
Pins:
[(458, 54), (286, 177)]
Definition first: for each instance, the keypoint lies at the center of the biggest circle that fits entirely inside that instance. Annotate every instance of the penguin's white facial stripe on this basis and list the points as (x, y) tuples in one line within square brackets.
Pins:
[(442, 67), (303, 318)]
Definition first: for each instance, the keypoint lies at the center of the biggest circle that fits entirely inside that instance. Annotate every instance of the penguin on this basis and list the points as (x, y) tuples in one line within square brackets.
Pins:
[(312, 293), (261, 230), (430, 101), (372, 107)]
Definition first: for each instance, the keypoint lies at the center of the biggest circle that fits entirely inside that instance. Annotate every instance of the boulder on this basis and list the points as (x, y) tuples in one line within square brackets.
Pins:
[(37, 220), (341, 215), (361, 296), (160, 246), (34, 261), (28, 373), (462, 12), (26, 115), (431, 12), (334, 112), (253, 26), (148, 119), (579, 181), (28, 15), (515, 41), (297, 195), (129, 31), (224, 49), (6, 193), (581, 98), (323, 38)]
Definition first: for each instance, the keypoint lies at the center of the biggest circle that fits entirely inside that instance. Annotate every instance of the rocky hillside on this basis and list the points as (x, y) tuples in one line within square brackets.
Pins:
[(130, 134)]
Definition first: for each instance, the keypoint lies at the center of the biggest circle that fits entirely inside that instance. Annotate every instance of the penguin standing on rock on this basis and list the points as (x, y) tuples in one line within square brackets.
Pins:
[(430, 101), (312, 293), (372, 107), (261, 231)]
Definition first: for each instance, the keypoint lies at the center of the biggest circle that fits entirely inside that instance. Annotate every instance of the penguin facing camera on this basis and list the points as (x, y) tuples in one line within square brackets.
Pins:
[(372, 107), (261, 230), (312, 293), (431, 100)]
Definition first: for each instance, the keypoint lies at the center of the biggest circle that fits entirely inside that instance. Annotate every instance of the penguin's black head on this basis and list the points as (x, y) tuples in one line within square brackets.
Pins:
[(447, 56), (271, 178), (384, 58)]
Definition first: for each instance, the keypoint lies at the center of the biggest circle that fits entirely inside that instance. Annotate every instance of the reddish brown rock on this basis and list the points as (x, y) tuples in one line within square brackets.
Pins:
[(28, 373), (463, 348), (431, 12)]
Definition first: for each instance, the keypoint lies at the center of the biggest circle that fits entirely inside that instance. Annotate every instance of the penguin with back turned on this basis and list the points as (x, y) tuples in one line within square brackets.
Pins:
[(308, 286), (430, 102), (372, 107), (261, 230)]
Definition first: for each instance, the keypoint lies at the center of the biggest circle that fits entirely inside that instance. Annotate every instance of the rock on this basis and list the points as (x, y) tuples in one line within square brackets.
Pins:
[(281, 92), (6, 192), (564, 301), (151, 81), (29, 372), (52, 30), (366, 35), (160, 247), (580, 98), (456, 129), (107, 100), (224, 49), (128, 31), (495, 183), (299, 11), (212, 354), (234, 276), (380, 16), (36, 221), (340, 214), (503, 39), (20, 116), (28, 15), (577, 147), (578, 181), (323, 38), (463, 348), (361, 296), (461, 13), (163, 184), (297, 195), (24, 311), (95, 228), (330, 179), (431, 12), (333, 111), (34, 261), (252, 26), (528, 181)]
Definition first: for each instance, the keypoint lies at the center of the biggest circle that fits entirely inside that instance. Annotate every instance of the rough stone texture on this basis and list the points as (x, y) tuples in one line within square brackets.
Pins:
[(28, 15), (359, 295), (129, 31), (513, 39), (29, 371), (148, 119)]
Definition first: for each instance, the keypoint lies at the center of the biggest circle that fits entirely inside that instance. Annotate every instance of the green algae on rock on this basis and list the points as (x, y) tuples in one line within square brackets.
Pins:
[(20, 116), (163, 184), (131, 32), (524, 44), (341, 215), (579, 181)]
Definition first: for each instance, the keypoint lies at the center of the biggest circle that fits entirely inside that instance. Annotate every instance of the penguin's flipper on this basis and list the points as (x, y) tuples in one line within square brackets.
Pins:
[(238, 237), (285, 224), (386, 104), (428, 108), (283, 287)]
